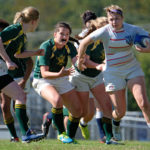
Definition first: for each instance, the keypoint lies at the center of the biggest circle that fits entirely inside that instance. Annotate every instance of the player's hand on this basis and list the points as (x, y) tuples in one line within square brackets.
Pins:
[(143, 49), (100, 67), (66, 72), (40, 52), (22, 83), (11, 65), (80, 64)]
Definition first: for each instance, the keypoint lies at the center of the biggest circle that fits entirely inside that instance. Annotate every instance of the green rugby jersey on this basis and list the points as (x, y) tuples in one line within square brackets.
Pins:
[(96, 53), (54, 58), (13, 39)]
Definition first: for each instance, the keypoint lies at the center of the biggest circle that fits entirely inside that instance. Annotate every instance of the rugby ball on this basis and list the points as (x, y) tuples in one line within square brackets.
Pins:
[(141, 40)]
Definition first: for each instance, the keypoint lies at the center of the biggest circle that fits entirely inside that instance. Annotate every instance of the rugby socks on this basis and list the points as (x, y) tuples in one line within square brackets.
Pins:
[(57, 117), (99, 116), (10, 125), (116, 123), (82, 123), (21, 115), (72, 126), (107, 125)]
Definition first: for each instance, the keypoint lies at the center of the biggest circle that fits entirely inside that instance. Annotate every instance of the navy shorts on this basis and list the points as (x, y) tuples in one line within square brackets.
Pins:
[(5, 80)]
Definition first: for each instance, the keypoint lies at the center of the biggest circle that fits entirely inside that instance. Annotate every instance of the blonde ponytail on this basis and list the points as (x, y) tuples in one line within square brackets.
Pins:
[(26, 15)]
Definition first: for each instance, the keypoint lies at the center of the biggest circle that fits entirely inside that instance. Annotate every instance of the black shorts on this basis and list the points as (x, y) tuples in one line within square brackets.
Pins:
[(5, 80)]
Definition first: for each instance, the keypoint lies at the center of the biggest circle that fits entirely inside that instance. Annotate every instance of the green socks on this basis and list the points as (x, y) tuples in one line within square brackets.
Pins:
[(72, 126), (57, 116), (21, 115)]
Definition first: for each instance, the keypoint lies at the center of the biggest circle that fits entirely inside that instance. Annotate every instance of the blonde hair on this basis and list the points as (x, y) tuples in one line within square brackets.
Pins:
[(99, 22), (114, 9), (26, 15)]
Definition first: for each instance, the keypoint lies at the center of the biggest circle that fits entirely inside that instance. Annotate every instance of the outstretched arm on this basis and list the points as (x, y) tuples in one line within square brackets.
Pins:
[(25, 54)]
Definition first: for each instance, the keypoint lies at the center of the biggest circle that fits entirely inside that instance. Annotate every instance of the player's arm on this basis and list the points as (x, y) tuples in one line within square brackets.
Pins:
[(143, 49), (3, 54), (81, 50), (25, 54), (53, 75), (90, 64)]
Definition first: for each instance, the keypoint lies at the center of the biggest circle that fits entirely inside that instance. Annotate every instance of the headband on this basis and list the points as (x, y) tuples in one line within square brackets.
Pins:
[(116, 11)]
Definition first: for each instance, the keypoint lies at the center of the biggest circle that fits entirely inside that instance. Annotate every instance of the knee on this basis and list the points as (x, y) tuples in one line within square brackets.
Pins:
[(21, 97), (77, 112), (117, 115), (58, 102)]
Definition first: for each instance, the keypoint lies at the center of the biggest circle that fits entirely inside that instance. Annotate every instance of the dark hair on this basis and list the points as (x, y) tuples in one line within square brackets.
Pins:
[(64, 25), (3, 24), (88, 15), (73, 40)]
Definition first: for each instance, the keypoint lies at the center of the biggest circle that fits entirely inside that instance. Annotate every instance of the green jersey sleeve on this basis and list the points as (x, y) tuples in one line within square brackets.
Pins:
[(11, 33), (73, 51), (45, 60)]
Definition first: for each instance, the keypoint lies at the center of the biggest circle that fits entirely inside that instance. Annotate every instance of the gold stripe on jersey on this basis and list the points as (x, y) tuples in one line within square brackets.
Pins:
[(96, 43), (102, 56), (67, 48), (54, 48), (19, 48), (9, 41)]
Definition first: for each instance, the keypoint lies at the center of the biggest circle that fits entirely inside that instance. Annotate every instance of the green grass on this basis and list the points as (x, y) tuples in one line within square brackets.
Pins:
[(82, 145)]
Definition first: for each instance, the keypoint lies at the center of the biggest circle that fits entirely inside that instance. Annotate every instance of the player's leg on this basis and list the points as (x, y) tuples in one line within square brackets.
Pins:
[(14, 91), (66, 116), (50, 94), (88, 117), (99, 116), (118, 99), (72, 102), (47, 120), (8, 118), (138, 88), (105, 105)]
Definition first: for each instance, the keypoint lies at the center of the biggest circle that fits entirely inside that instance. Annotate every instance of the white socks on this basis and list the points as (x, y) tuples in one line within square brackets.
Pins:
[(82, 122), (99, 114)]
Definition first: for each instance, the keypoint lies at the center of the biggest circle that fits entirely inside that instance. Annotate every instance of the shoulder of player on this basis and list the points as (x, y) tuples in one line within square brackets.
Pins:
[(46, 43), (130, 26)]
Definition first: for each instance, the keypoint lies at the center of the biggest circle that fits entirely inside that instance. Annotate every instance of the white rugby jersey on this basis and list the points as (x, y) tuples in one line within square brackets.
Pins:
[(118, 44)]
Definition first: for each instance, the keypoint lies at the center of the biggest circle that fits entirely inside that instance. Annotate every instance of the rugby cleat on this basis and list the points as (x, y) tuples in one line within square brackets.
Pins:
[(116, 132), (14, 139), (31, 137), (111, 141), (84, 131), (103, 140), (64, 138)]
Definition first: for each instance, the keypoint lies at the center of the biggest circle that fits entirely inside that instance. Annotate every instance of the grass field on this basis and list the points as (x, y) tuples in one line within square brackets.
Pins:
[(82, 145)]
